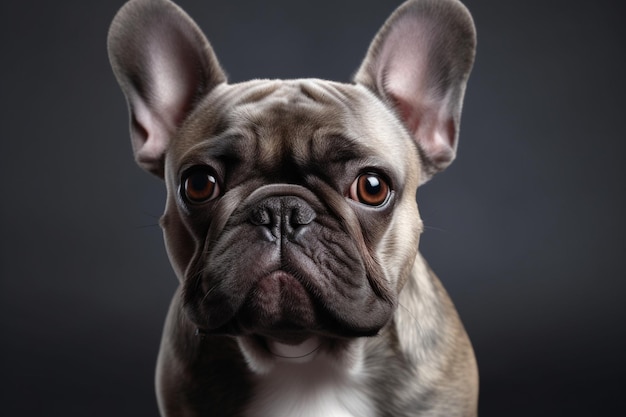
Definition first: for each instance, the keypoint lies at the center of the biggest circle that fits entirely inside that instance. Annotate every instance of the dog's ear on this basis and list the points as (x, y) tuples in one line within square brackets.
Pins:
[(419, 63), (164, 65)]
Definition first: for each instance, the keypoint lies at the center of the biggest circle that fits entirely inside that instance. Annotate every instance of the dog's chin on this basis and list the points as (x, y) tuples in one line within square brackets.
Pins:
[(280, 323), (264, 354)]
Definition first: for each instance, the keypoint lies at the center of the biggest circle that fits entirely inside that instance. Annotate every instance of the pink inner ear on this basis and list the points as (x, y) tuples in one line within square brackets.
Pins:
[(170, 98), (149, 137), (408, 113), (164, 65), (440, 146), (405, 80), (434, 135), (173, 66), (419, 63)]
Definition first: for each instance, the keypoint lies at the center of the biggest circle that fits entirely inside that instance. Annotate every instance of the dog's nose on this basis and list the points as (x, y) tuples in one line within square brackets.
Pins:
[(282, 216)]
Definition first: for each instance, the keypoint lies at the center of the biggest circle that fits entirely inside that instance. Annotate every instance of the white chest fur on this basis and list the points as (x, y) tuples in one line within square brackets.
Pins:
[(318, 388)]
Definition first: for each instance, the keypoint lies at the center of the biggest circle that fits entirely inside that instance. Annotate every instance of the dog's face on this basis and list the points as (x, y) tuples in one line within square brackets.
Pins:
[(291, 209), (298, 201)]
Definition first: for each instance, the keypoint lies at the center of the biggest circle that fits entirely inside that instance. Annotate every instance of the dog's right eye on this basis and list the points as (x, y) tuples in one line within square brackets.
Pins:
[(370, 189), (199, 186)]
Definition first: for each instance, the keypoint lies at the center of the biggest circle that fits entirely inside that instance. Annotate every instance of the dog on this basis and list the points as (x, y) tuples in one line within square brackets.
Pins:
[(292, 224)]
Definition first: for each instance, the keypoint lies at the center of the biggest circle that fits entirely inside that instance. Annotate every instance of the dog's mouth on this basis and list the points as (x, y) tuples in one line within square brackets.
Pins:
[(281, 314), (277, 307), (286, 307), (280, 307)]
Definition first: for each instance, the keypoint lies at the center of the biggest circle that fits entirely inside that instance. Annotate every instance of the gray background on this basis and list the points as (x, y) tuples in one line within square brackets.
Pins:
[(526, 229)]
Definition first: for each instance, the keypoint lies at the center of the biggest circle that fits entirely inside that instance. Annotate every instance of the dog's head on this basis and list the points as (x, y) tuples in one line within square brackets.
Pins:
[(291, 209)]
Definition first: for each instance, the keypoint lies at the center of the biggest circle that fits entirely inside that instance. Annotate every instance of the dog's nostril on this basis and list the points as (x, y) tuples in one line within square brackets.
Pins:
[(300, 215), (282, 215), (260, 216)]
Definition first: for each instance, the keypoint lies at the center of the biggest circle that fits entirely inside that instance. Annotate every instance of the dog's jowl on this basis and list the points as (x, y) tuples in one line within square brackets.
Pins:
[(292, 224)]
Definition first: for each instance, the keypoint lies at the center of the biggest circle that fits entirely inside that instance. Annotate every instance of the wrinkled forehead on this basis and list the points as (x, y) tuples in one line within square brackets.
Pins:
[(301, 120)]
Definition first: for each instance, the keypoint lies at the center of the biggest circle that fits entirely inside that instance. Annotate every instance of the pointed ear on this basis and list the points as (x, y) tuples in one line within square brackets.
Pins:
[(419, 63), (164, 65)]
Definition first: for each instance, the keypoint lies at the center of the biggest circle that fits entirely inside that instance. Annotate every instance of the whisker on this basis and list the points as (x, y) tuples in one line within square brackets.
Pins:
[(438, 229), (408, 311), (206, 295)]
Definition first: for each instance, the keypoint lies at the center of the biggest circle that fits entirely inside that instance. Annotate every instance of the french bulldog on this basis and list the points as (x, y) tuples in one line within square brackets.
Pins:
[(291, 220)]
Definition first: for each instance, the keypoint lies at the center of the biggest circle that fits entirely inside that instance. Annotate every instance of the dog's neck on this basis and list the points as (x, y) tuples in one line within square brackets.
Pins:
[(320, 387)]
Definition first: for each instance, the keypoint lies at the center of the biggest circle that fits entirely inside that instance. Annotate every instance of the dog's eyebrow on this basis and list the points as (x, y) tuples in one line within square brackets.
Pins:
[(228, 145), (343, 149), (323, 148), (232, 144)]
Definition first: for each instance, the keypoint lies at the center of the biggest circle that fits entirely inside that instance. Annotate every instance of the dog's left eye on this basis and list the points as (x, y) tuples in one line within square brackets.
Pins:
[(370, 189), (199, 186)]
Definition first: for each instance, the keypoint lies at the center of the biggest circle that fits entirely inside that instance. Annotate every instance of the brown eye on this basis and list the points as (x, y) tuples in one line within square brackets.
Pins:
[(370, 189), (200, 186)]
